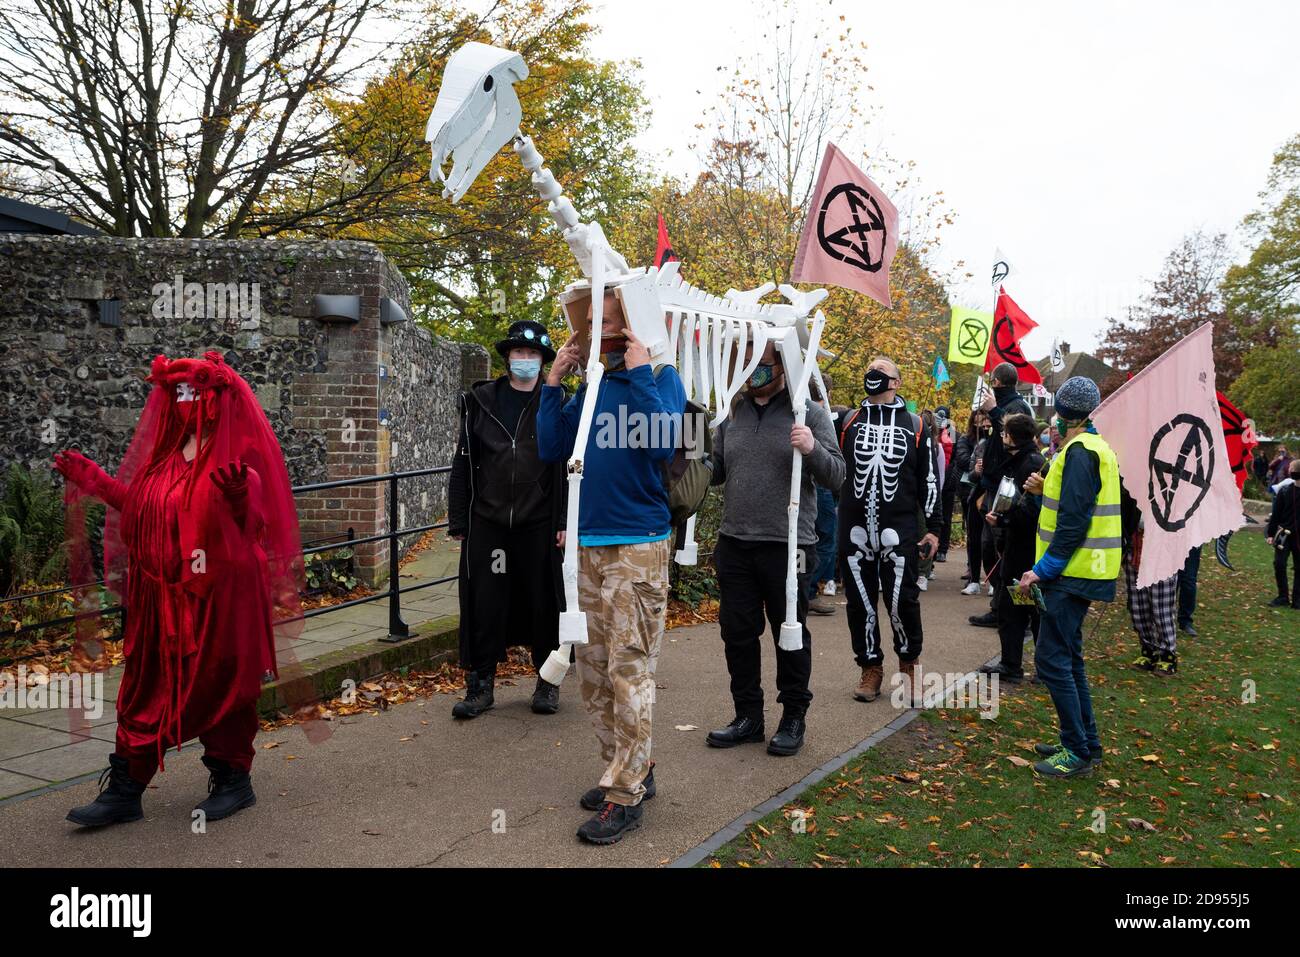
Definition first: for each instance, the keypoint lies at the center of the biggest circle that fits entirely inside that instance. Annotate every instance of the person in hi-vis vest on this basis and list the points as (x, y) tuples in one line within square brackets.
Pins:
[(1078, 560)]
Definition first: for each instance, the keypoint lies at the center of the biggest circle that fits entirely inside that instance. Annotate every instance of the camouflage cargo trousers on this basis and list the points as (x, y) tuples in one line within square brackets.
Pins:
[(623, 589)]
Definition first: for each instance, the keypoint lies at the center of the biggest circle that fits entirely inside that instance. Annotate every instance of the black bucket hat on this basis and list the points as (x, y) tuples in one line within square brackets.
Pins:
[(526, 334)]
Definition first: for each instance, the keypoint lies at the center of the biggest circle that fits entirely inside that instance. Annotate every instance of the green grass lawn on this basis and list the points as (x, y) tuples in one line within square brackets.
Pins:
[(1198, 771)]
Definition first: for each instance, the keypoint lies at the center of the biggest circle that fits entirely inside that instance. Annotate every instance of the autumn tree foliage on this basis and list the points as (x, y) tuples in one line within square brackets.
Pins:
[(1266, 291), (158, 118), (737, 223), (1185, 295)]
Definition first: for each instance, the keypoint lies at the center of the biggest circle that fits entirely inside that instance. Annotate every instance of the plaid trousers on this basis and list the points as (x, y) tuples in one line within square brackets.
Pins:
[(1154, 611)]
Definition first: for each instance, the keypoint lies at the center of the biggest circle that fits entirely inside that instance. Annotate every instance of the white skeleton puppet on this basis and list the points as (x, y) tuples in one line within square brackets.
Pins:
[(705, 336)]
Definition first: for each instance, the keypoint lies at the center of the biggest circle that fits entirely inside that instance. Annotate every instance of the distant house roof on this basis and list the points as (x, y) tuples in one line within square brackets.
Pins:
[(18, 217), (1076, 363)]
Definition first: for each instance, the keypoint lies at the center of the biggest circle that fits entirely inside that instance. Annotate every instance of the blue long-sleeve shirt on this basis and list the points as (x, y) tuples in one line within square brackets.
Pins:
[(1080, 486), (634, 431)]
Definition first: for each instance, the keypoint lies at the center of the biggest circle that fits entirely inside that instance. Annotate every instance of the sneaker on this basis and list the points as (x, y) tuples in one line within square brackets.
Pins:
[(829, 589), (609, 826), (594, 798), (1063, 764), (1047, 750), (1144, 663), (1166, 666), (922, 584), (941, 557), (932, 576), (972, 589), (820, 606), (989, 586)]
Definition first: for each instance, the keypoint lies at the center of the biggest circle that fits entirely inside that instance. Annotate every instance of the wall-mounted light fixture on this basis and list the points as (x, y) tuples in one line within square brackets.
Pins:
[(336, 308)]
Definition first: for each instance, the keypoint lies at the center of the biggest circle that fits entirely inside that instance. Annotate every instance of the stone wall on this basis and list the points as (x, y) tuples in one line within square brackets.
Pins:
[(82, 317)]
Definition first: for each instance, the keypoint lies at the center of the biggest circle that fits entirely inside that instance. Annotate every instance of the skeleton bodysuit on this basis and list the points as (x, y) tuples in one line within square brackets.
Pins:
[(891, 482)]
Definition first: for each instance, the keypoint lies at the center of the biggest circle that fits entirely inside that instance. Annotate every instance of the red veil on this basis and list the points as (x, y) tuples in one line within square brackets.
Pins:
[(231, 427)]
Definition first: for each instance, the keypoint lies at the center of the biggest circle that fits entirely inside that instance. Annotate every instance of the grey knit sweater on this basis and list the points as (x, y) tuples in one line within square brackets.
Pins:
[(752, 455)]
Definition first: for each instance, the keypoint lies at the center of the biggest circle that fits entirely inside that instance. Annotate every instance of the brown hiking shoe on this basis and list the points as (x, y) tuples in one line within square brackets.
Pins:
[(869, 687), (820, 606), (908, 670)]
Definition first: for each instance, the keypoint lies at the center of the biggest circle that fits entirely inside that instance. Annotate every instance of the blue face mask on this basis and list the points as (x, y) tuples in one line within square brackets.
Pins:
[(526, 369), (761, 376)]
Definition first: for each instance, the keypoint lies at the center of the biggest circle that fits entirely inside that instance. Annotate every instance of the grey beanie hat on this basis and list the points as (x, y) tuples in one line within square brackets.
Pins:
[(1076, 398)]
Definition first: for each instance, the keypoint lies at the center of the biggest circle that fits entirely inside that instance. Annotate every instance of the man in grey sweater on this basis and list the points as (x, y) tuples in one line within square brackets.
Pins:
[(753, 453)]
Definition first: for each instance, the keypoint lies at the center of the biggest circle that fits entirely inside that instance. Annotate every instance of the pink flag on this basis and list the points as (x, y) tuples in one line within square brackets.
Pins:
[(851, 232), (1165, 429)]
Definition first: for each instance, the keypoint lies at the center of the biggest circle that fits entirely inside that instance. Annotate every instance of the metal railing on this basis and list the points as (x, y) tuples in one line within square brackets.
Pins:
[(398, 629)]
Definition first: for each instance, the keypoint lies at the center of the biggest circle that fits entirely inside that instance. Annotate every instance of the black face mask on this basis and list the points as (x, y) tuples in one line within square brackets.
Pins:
[(875, 382)]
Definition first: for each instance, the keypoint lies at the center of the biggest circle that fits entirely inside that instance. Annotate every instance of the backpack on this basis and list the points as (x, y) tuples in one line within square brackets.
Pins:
[(689, 473)]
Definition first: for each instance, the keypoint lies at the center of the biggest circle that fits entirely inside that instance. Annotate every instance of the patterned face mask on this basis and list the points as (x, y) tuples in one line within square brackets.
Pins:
[(761, 376), (875, 382)]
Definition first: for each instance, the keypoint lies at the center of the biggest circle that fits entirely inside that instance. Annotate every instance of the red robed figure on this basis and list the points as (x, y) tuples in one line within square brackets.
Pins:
[(205, 556)]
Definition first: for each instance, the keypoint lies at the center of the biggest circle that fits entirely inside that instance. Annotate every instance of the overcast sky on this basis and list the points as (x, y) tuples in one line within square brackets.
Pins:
[(1083, 139)]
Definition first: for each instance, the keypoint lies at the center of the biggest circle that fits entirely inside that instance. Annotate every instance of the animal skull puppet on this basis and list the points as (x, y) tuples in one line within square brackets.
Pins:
[(706, 337)]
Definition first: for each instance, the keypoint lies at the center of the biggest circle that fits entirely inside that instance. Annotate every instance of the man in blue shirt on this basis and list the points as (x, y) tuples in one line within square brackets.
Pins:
[(624, 539)]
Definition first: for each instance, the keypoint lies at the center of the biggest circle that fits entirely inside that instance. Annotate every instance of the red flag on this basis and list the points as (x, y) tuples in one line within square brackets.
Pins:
[(664, 250), (851, 233), (1239, 433), (1010, 325)]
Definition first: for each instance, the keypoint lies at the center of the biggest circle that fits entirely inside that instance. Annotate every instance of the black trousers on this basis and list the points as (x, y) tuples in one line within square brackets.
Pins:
[(1013, 619), (511, 593), (751, 579), (949, 503), (1280, 556), (866, 580), (974, 538)]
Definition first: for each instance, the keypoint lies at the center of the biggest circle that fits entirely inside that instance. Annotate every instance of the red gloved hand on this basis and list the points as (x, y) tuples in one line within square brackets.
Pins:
[(80, 471), (232, 479)]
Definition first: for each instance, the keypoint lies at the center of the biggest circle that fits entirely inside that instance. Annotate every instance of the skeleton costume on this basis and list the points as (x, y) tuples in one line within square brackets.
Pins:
[(890, 482)]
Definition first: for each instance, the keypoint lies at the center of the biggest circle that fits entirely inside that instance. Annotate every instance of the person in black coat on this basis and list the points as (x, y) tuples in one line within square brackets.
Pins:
[(1013, 530), (1284, 524), (507, 508)]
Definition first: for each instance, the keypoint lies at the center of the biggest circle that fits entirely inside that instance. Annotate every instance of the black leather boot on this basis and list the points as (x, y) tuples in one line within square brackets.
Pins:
[(478, 697), (740, 731), (546, 697), (118, 801), (789, 735), (229, 790)]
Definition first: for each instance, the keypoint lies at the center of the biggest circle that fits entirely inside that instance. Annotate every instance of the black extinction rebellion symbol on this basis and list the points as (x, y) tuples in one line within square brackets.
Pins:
[(1182, 454), (972, 338), (1005, 346), (1000, 271), (862, 242)]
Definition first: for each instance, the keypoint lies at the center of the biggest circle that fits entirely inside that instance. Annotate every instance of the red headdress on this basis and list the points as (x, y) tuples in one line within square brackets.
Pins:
[(231, 426)]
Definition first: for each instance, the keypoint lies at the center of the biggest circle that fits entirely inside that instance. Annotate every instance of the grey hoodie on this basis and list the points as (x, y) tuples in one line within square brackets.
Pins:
[(753, 456)]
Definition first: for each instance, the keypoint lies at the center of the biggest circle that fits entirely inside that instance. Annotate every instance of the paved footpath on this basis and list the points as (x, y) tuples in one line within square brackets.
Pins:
[(410, 787)]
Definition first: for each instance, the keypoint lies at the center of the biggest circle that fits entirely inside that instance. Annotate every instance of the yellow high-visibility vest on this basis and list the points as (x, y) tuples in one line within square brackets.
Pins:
[(1099, 556)]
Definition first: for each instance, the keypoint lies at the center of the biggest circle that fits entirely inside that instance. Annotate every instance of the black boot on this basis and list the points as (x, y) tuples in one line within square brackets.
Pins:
[(987, 620), (789, 735), (740, 731), (118, 801), (546, 697), (229, 790), (478, 697)]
